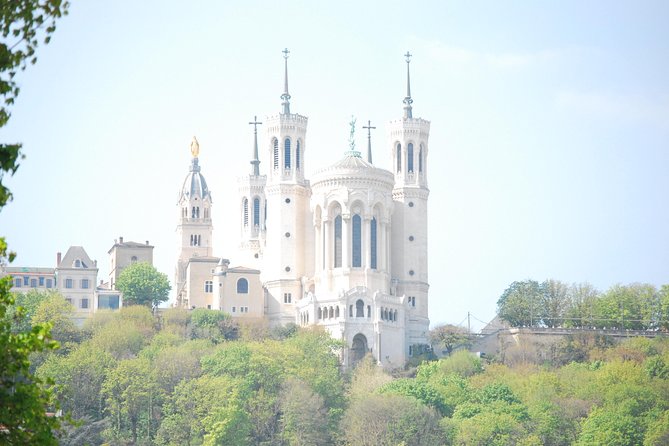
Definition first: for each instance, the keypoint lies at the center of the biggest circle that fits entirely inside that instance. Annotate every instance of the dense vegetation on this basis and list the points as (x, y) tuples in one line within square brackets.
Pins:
[(199, 377), (553, 303)]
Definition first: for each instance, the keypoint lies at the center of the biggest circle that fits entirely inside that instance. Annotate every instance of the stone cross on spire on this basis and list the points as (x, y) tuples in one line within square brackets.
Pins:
[(255, 162), (369, 140), (285, 96), (407, 100)]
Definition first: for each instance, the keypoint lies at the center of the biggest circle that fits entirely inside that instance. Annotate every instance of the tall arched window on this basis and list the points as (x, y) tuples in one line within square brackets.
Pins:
[(399, 157), (297, 155), (275, 144), (246, 212), (242, 286), (286, 154), (420, 159), (256, 211), (356, 241), (410, 158), (337, 311), (337, 241), (372, 242), (359, 308)]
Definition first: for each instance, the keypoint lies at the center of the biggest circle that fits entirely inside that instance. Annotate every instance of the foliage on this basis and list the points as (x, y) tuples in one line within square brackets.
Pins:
[(23, 25), (23, 399), (213, 324), (450, 337), (54, 309), (520, 304), (142, 284)]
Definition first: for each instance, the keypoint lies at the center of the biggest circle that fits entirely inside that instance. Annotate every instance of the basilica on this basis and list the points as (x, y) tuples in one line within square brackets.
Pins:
[(345, 249)]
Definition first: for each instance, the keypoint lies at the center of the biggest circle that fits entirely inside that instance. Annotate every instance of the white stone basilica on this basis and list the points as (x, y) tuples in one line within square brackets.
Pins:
[(346, 250)]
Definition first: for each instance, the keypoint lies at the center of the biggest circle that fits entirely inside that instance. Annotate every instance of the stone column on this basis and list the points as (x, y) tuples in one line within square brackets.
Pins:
[(328, 244)]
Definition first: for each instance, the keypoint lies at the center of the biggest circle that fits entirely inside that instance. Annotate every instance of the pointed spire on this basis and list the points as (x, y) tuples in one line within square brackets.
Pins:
[(407, 100), (285, 96), (369, 140), (255, 162)]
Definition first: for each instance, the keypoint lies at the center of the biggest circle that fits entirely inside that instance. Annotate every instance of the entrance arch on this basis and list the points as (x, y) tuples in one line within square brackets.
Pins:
[(358, 348)]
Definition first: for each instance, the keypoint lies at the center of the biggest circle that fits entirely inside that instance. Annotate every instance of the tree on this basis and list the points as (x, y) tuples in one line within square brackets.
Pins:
[(302, 415), (23, 400), (520, 304), (450, 337), (22, 24), (57, 311), (554, 302), (142, 284)]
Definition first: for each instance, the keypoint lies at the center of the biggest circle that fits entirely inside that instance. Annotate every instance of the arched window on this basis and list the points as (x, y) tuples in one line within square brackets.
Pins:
[(369, 311), (395, 315), (192, 214), (350, 310), (331, 314), (420, 159), (275, 144), (242, 286), (246, 212), (256, 211), (372, 242), (410, 158), (359, 308), (297, 155), (320, 313), (286, 154), (337, 241), (337, 311), (356, 247), (399, 158)]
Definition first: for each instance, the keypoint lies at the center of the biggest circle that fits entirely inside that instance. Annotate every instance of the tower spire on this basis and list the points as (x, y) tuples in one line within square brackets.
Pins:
[(255, 162), (285, 96), (369, 140), (407, 100)]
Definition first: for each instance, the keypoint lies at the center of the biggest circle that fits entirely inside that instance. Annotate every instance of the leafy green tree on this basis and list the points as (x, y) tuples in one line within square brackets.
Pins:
[(78, 380), (582, 305), (142, 284), (23, 400), (23, 25), (56, 310), (214, 325), (302, 415), (133, 396), (635, 306), (28, 302), (554, 302), (450, 337), (520, 304), (663, 296), (392, 420), (611, 426)]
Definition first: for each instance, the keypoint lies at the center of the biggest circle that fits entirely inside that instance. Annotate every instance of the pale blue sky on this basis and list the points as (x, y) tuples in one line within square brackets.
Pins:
[(549, 146)]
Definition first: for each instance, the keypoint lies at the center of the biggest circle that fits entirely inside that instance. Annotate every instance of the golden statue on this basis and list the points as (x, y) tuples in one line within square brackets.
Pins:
[(194, 147)]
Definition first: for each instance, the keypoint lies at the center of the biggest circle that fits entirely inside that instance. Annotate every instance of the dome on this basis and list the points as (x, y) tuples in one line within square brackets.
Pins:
[(195, 184), (353, 169)]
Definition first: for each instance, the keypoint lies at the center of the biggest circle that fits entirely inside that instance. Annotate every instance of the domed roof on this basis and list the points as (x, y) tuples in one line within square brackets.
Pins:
[(195, 184), (353, 168)]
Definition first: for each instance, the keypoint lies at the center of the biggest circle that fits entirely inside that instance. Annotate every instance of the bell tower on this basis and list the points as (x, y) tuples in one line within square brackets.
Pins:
[(253, 208), (194, 227), (288, 239), (408, 140)]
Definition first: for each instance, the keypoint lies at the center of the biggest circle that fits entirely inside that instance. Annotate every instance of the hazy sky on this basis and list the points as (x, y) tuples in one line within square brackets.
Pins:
[(548, 152)]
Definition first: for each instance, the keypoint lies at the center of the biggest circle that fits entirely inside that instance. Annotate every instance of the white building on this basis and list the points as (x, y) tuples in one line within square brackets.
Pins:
[(346, 250)]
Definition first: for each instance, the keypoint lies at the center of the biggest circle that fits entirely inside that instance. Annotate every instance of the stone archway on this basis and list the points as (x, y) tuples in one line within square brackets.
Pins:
[(358, 348)]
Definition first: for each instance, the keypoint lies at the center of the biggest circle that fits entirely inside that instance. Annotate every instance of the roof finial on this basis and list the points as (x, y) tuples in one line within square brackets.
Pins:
[(407, 100), (194, 147), (285, 96), (255, 161), (369, 140)]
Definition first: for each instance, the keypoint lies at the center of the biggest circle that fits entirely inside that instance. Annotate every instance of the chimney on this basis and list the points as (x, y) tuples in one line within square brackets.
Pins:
[(101, 282), (58, 257), (147, 242), (120, 239)]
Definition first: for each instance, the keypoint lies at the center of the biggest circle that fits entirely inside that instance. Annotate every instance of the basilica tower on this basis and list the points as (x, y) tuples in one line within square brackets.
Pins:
[(252, 208), (408, 139), (194, 228), (289, 241)]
